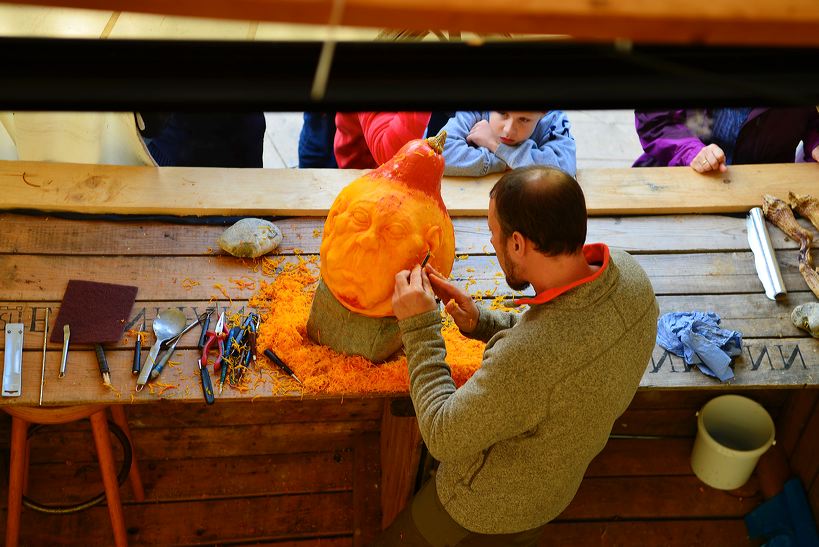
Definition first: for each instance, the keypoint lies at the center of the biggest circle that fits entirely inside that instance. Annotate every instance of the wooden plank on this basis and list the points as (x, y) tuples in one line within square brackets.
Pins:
[(400, 455), (25, 234), (366, 490), (795, 415), (660, 399), (764, 362), (212, 442), (669, 533), (195, 191), (170, 480), (644, 457), (658, 498), (770, 362), (44, 278), (726, 22), (751, 314), (804, 460), (670, 422), (204, 522)]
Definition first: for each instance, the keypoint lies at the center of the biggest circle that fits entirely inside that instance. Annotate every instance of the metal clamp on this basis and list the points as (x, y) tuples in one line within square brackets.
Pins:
[(13, 360)]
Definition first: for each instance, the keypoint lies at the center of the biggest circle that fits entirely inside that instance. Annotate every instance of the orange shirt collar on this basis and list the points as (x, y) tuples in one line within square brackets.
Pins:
[(595, 253)]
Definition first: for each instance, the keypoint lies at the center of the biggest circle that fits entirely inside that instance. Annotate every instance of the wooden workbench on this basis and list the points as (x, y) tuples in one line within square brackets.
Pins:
[(302, 468)]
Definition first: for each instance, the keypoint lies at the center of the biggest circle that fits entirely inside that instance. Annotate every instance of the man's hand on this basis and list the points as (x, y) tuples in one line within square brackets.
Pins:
[(458, 304), (482, 135), (710, 158), (815, 154), (412, 294)]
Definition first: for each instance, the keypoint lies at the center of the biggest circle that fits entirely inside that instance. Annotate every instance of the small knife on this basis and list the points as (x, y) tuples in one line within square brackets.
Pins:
[(66, 336)]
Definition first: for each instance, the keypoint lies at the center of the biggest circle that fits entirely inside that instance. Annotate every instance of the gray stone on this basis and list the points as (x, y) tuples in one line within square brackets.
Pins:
[(250, 238), (331, 324), (806, 317)]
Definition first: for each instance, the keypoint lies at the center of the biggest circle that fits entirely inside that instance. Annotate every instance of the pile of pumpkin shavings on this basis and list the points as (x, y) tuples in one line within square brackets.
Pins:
[(284, 306)]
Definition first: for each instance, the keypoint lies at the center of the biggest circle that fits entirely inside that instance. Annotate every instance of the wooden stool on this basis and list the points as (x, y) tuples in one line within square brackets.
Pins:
[(22, 417)]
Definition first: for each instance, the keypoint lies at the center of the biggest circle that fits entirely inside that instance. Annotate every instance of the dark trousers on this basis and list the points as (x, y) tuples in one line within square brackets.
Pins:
[(425, 523)]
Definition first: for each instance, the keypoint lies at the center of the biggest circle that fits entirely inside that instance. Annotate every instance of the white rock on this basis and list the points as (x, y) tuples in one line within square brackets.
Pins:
[(250, 237)]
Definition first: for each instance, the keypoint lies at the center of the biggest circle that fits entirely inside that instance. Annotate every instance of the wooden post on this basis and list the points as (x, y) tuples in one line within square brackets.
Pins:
[(19, 431), (118, 412), (400, 455), (102, 440)]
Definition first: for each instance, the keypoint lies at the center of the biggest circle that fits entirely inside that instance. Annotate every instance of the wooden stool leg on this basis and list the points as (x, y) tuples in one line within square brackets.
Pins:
[(133, 474), (17, 472), (26, 465), (102, 440)]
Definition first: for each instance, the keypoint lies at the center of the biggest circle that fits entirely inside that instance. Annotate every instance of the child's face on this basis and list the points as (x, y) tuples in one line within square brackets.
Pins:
[(513, 128)]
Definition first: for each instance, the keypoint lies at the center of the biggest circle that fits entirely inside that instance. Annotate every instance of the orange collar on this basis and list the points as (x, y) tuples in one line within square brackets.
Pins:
[(595, 253)]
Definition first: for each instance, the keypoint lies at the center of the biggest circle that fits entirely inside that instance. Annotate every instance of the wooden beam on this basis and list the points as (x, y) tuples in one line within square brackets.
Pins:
[(110, 189), (780, 22)]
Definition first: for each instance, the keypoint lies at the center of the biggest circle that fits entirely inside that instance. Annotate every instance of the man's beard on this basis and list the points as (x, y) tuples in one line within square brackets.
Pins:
[(515, 283)]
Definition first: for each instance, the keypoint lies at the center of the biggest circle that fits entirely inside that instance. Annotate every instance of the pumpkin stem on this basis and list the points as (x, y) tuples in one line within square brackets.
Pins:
[(437, 142)]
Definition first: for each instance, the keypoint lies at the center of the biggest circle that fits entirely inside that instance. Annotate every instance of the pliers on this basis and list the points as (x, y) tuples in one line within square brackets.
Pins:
[(217, 335)]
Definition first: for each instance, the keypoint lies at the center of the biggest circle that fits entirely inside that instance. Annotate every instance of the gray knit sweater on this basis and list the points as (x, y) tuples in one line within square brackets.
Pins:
[(515, 440)]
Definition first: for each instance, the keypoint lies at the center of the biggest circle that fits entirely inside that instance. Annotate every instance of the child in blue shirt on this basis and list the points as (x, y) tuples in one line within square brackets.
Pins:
[(479, 143)]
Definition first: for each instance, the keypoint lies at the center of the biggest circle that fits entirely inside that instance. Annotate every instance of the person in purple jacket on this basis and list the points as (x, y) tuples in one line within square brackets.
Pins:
[(710, 140)]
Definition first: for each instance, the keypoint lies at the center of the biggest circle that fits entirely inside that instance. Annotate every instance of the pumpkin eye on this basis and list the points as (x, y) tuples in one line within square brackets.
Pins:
[(361, 217), (396, 231)]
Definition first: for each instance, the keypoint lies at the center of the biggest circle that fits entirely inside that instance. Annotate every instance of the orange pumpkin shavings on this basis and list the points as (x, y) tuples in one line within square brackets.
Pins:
[(244, 283), (316, 233), (189, 283), (284, 305), (220, 288)]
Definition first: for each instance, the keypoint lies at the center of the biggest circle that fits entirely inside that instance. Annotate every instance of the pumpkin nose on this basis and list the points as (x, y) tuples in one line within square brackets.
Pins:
[(368, 239)]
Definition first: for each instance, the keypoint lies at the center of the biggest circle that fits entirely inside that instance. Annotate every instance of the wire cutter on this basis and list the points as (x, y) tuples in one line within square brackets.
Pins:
[(217, 336)]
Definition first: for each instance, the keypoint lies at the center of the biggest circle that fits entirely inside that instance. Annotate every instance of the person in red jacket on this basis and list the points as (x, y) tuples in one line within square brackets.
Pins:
[(365, 140)]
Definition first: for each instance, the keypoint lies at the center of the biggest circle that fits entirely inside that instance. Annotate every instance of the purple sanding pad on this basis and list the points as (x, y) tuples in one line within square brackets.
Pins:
[(95, 312)]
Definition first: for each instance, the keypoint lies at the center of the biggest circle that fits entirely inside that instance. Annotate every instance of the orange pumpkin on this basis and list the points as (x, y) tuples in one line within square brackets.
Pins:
[(384, 222)]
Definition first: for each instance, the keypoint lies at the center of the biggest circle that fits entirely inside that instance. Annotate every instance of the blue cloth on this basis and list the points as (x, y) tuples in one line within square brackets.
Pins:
[(697, 337), (785, 520)]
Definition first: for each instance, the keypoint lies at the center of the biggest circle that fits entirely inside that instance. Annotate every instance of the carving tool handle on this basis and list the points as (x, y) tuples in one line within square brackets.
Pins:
[(137, 354), (103, 363), (207, 386), (281, 364), (66, 337)]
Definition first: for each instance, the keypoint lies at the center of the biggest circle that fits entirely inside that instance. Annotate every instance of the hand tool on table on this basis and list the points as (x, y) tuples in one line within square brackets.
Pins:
[(13, 360), (45, 344), (229, 359), (138, 349), (162, 361), (767, 268), (270, 354), (97, 313), (167, 324), (205, 327), (216, 337), (64, 358)]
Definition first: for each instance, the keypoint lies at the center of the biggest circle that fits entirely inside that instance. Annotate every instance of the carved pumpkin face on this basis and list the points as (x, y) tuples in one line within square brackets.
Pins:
[(378, 226)]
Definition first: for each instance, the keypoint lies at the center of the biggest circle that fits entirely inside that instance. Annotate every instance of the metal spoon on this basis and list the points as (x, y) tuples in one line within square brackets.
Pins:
[(167, 324)]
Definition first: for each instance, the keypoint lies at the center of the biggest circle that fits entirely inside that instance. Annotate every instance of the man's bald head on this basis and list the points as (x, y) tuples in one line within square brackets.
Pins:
[(544, 204)]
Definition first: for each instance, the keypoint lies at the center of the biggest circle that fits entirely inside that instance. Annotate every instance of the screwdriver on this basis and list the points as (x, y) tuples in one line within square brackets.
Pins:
[(281, 364)]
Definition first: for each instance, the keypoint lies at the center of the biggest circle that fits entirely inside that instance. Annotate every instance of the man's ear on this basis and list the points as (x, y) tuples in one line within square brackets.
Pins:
[(517, 244), (433, 238)]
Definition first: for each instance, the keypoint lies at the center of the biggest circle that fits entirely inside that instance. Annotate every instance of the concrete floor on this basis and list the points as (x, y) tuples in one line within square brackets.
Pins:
[(605, 138)]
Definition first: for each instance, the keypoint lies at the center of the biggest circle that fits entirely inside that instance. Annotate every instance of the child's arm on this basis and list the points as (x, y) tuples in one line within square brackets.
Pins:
[(665, 137), (462, 159), (551, 144)]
